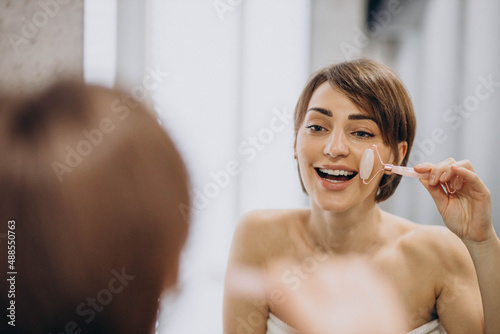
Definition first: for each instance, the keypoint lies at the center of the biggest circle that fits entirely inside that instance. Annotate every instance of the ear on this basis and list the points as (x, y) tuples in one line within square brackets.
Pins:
[(402, 149)]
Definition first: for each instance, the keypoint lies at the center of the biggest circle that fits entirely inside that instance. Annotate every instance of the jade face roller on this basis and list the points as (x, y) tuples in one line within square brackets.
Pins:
[(368, 162)]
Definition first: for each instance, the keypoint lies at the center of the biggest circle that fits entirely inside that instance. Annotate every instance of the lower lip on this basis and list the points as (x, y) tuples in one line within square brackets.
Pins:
[(334, 186)]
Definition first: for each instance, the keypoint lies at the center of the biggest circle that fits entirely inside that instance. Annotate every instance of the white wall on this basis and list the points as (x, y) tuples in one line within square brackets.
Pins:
[(335, 24), (235, 73)]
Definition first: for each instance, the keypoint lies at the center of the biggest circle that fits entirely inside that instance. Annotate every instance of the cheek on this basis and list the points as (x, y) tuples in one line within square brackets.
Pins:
[(302, 155), (308, 153), (307, 147), (388, 156), (305, 156)]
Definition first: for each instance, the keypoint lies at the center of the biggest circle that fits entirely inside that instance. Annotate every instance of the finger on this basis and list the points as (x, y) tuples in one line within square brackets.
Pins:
[(444, 168), (441, 172), (456, 182), (466, 164), (423, 167), (437, 192), (470, 177)]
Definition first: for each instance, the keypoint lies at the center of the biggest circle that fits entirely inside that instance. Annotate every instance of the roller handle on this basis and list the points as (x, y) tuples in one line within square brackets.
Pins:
[(408, 171)]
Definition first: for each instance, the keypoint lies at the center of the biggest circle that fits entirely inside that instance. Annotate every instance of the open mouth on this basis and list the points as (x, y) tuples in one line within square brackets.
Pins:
[(335, 176)]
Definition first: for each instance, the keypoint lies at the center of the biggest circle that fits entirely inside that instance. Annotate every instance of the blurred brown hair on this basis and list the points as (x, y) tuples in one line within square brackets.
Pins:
[(377, 90), (113, 214)]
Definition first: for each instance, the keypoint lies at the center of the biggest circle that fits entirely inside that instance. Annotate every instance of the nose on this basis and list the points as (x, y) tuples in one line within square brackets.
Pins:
[(336, 145)]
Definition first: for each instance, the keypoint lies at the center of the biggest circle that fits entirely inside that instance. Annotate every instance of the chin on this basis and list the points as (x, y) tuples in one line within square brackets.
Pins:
[(336, 207), (334, 202), (341, 201)]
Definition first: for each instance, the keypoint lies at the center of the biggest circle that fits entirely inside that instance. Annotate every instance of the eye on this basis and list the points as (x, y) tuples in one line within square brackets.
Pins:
[(315, 128), (363, 134)]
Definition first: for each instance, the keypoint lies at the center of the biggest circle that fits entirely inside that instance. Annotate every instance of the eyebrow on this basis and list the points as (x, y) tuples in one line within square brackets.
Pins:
[(323, 111), (355, 117), (351, 117)]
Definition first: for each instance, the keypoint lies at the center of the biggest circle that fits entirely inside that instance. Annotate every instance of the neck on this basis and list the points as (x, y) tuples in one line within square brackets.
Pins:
[(357, 230)]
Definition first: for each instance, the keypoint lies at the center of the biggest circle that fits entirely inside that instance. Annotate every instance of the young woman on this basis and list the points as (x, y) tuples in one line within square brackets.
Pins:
[(90, 189), (446, 278)]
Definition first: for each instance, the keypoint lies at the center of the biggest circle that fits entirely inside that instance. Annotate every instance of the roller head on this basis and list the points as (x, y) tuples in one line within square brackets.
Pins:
[(366, 165)]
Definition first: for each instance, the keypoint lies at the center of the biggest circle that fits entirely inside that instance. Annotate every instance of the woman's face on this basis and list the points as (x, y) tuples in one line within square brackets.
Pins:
[(330, 143)]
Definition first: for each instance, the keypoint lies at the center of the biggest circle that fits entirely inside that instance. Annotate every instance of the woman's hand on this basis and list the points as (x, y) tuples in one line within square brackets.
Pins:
[(467, 212)]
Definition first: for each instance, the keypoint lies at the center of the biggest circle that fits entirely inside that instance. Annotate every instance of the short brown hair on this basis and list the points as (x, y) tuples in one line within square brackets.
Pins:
[(375, 89), (112, 222)]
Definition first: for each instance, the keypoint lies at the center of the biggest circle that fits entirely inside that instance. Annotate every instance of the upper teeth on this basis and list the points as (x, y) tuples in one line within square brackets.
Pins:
[(336, 172)]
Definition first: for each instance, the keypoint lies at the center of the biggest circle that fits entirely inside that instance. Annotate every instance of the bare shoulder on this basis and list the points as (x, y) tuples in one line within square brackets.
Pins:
[(436, 259), (436, 245), (261, 233), (270, 220)]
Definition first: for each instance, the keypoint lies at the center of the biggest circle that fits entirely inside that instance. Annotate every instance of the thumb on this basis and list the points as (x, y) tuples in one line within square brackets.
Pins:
[(438, 194)]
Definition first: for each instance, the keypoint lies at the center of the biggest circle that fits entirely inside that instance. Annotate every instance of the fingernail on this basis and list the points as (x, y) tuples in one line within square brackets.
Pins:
[(432, 180), (457, 183), (443, 177), (419, 165)]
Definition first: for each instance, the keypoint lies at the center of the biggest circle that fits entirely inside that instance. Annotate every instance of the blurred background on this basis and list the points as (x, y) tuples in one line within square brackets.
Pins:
[(224, 75)]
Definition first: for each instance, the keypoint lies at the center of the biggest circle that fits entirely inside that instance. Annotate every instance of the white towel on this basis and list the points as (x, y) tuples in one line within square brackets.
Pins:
[(276, 326), (433, 327)]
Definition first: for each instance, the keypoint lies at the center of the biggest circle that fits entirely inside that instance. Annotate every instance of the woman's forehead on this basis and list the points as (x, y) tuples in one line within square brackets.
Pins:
[(333, 101)]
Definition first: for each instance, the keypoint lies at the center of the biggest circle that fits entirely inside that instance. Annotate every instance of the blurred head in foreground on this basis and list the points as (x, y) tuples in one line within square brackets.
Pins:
[(93, 188)]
